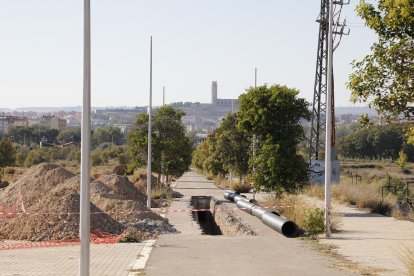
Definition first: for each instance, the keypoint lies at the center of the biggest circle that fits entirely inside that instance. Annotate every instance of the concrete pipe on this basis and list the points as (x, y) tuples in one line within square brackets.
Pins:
[(245, 206), (285, 227)]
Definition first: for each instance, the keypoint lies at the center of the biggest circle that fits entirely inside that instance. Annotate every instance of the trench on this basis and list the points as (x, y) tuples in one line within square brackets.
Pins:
[(215, 219)]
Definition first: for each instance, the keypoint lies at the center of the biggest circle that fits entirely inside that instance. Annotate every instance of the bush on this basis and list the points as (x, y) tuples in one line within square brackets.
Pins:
[(131, 235), (35, 156), (314, 221), (9, 170), (160, 193), (21, 156), (96, 158), (242, 187)]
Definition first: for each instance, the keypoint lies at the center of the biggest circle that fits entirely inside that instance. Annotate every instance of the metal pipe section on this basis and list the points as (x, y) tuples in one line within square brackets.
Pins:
[(286, 227), (272, 219), (245, 206)]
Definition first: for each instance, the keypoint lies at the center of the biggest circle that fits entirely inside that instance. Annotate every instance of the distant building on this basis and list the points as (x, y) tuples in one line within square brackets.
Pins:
[(205, 117), (53, 122), (7, 122), (214, 92)]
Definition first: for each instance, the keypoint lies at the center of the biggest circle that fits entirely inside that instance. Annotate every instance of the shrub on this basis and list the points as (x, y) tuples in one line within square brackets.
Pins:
[(314, 221), (131, 168), (21, 155), (131, 235), (160, 193), (96, 158), (35, 156), (9, 170), (241, 187)]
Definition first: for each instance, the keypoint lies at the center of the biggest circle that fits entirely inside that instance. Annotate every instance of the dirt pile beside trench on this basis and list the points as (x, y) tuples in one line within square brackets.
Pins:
[(51, 198), (141, 184)]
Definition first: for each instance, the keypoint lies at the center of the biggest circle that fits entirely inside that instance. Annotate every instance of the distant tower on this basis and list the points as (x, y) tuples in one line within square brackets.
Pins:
[(214, 92)]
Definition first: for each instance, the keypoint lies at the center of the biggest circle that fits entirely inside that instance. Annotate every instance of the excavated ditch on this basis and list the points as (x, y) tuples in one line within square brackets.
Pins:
[(217, 219)]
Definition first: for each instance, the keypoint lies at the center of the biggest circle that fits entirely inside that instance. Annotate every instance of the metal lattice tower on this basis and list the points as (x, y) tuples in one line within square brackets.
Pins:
[(317, 141)]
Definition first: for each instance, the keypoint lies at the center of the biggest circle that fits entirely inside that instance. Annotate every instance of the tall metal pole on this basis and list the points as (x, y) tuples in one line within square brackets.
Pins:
[(255, 77), (254, 135), (328, 154), (163, 95), (84, 225), (149, 134)]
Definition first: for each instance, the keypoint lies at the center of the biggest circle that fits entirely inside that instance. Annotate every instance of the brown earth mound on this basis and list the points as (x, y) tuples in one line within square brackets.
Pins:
[(141, 184), (53, 192)]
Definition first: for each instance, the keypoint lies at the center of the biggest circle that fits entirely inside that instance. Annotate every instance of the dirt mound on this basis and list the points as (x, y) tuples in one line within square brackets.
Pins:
[(51, 197), (141, 184), (35, 182)]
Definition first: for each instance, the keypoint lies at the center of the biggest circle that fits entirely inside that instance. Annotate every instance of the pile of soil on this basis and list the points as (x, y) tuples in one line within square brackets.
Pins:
[(54, 192), (141, 184)]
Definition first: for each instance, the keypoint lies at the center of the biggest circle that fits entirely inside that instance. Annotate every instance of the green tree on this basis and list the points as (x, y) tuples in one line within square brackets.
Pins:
[(7, 153), (108, 134), (171, 148), (69, 135), (21, 135), (385, 77), (233, 147), (273, 114)]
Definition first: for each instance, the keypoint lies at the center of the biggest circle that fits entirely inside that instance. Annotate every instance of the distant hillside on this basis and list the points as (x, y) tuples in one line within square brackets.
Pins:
[(356, 110)]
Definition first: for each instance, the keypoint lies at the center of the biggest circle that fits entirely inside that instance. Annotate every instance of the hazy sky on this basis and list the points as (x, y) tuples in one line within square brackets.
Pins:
[(195, 42)]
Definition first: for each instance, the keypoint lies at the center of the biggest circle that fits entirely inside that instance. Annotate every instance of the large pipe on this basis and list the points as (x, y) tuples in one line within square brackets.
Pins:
[(258, 211), (272, 219), (245, 206), (286, 227)]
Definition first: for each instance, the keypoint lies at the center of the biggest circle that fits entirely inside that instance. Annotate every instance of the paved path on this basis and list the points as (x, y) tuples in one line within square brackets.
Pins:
[(268, 253), (106, 259), (371, 239)]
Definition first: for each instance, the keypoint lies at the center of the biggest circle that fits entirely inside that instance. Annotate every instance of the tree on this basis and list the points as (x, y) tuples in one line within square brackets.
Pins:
[(108, 134), (385, 78), (7, 153), (273, 114), (69, 135), (233, 147), (171, 148)]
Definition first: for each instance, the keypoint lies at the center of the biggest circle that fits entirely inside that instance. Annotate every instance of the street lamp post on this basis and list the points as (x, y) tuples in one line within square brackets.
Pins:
[(328, 115), (149, 134), (84, 224)]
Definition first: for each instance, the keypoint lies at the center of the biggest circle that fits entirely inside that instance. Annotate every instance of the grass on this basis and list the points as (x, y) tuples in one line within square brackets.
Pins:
[(364, 195), (160, 192)]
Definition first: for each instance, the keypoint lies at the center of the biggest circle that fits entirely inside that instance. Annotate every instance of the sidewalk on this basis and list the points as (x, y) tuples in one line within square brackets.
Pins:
[(371, 239), (268, 253), (106, 259)]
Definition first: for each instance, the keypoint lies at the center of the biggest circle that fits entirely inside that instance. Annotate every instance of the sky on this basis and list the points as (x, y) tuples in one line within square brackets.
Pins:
[(195, 42)]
